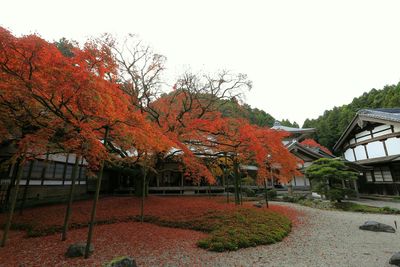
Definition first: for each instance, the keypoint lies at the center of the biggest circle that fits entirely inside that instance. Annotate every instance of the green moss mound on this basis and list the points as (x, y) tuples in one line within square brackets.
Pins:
[(244, 228)]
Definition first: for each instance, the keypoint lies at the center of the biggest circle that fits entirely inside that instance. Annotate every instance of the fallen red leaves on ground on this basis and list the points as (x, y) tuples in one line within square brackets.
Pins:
[(149, 244)]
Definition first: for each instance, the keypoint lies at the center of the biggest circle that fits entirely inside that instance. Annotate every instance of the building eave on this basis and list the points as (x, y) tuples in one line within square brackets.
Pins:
[(359, 119)]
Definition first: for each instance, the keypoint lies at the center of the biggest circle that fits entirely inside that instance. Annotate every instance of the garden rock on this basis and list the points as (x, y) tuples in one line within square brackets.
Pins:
[(78, 250), (377, 227), (395, 259), (258, 205), (122, 262)]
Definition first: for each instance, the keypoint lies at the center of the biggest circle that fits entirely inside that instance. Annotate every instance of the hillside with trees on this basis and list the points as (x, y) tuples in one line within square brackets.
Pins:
[(259, 117), (332, 123)]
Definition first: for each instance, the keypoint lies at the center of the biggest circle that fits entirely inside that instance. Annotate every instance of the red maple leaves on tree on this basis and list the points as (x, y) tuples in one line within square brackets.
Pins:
[(312, 143), (104, 105)]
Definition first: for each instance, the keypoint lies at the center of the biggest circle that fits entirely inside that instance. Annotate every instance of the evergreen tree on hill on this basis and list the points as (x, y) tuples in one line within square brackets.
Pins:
[(333, 122)]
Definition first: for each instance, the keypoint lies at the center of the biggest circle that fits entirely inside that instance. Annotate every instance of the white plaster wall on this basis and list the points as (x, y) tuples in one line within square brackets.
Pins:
[(386, 128), (380, 127), (300, 181), (352, 141), (364, 138), (62, 158), (360, 152), (393, 146), (363, 133), (348, 154), (376, 150)]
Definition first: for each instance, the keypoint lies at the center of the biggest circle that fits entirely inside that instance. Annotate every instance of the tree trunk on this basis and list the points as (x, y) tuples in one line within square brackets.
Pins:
[(28, 180), (236, 178), (290, 189), (13, 202), (266, 193), (225, 180), (44, 170), (96, 199), (143, 193), (241, 191), (356, 188), (12, 182), (70, 199)]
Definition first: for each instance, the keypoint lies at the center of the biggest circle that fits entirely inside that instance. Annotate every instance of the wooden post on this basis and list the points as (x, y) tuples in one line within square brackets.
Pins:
[(28, 179), (13, 202), (70, 199), (96, 199)]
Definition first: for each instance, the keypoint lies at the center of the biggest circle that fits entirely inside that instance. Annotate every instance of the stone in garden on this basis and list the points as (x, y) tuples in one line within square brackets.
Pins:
[(122, 262), (395, 259), (78, 250), (377, 227), (258, 205)]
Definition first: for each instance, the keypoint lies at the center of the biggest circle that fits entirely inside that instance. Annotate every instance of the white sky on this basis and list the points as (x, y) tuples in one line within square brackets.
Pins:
[(303, 56)]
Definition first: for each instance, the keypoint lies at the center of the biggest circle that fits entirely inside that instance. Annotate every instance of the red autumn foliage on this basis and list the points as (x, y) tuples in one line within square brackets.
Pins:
[(312, 143), (247, 143), (68, 101)]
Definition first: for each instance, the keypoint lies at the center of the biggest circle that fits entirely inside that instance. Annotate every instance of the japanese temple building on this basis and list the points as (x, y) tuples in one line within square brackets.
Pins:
[(372, 141), (50, 177), (306, 153)]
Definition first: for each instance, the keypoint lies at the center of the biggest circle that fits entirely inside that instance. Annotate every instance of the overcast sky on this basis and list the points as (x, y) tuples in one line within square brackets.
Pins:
[(303, 56)]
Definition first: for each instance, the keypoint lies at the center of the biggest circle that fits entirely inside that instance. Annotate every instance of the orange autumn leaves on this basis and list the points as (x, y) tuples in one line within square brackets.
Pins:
[(67, 102), (248, 144), (51, 102)]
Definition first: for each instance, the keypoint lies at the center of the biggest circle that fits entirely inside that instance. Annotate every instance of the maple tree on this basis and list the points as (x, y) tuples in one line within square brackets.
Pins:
[(245, 144), (192, 97), (77, 96), (103, 103), (312, 143)]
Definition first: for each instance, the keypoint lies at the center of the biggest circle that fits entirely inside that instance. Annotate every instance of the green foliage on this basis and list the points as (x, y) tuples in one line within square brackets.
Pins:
[(66, 46), (272, 193), (326, 177), (346, 206), (256, 116), (248, 192), (349, 206), (333, 122), (248, 180), (246, 228), (289, 124), (115, 261), (295, 198)]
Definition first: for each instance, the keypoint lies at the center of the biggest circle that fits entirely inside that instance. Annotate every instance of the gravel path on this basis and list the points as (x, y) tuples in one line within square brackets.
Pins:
[(326, 238)]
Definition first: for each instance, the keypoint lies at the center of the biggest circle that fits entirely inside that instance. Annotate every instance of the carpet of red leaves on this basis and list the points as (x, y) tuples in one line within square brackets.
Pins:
[(149, 244)]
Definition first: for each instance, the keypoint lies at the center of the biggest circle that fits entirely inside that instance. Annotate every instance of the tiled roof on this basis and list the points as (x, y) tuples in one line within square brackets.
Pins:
[(279, 126), (381, 114), (390, 114)]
